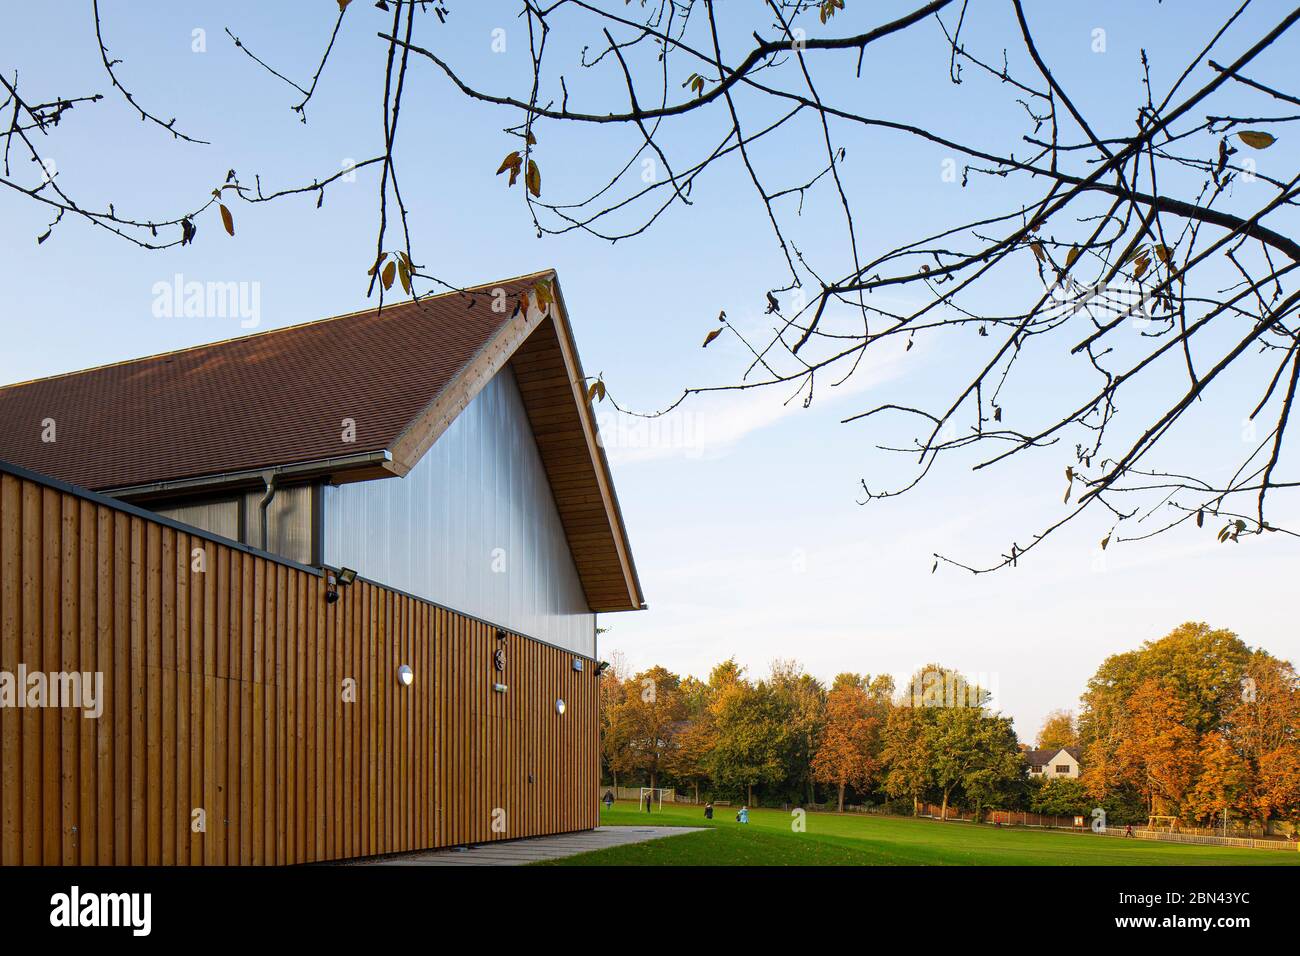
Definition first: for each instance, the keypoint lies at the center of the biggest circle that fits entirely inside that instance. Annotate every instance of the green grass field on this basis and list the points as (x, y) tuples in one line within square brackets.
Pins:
[(857, 840)]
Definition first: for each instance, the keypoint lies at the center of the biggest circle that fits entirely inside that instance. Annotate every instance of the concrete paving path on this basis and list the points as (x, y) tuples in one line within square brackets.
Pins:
[(533, 849)]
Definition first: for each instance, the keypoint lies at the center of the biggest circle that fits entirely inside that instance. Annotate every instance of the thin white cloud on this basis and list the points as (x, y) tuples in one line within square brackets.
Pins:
[(709, 425)]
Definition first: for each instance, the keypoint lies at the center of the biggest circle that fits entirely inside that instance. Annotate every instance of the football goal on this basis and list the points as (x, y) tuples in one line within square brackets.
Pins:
[(651, 796)]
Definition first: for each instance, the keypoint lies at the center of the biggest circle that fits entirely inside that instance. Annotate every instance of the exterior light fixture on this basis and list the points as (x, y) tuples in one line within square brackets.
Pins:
[(559, 706), (501, 634), (601, 667), (405, 676), (499, 688), (333, 579)]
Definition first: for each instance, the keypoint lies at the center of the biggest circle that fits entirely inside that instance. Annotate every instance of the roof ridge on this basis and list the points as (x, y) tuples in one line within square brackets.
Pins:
[(284, 328)]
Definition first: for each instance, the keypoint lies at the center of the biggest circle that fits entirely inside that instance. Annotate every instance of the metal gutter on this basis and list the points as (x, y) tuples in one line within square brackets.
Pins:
[(17, 471), (253, 475)]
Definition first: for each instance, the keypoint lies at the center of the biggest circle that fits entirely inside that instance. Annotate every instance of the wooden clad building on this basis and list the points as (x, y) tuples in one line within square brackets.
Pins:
[(221, 702)]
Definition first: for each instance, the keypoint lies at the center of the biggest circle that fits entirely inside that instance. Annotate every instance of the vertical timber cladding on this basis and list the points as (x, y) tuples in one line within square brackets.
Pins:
[(224, 691)]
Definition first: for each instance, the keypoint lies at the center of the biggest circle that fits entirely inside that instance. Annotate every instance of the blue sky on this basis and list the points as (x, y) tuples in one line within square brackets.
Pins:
[(751, 541)]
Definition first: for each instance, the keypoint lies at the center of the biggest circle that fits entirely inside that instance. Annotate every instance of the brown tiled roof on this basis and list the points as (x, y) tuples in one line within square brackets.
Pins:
[(279, 398), (273, 398), (1040, 757)]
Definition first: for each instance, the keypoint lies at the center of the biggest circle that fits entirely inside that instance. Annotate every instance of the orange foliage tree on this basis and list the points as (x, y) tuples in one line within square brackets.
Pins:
[(1058, 731), (1157, 755), (849, 754)]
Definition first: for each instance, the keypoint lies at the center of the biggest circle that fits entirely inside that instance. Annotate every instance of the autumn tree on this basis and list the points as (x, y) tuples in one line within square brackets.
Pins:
[(649, 720), (1202, 667), (1102, 723), (613, 732), (1279, 785), (689, 760), (850, 750), (1158, 753), (1101, 772), (1250, 764), (1195, 722), (1058, 731), (1223, 780)]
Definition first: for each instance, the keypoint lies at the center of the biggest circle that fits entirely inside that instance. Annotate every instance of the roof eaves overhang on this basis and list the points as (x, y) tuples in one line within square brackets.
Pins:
[(591, 430), (359, 466), (436, 417), (425, 429)]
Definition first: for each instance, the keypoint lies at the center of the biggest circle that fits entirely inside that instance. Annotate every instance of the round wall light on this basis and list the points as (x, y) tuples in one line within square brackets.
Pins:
[(559, 706), (405, 676)]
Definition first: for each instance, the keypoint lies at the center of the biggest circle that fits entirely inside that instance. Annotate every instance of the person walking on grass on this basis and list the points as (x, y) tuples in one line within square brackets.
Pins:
[(743, 815), (708, 811), (608, 799), (648, 797)]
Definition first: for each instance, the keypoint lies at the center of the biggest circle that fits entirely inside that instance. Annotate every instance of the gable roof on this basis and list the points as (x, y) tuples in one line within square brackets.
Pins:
[(1042, 757), (227, 411)]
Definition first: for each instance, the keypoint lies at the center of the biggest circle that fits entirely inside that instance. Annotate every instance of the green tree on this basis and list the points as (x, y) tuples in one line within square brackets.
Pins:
[(802, 699), (1062, 797), (974, 751), (906, 752), (747, 717)]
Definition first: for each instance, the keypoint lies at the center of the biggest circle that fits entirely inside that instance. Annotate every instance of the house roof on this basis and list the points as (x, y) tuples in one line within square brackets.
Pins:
[(231, 409), (1043, 756)]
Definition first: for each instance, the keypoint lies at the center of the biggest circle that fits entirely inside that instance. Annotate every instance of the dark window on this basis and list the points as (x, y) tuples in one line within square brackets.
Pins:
[(1062, 768)]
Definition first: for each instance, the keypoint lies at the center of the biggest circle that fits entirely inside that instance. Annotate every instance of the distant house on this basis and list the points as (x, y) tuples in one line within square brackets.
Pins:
[(1054, 762), (341, 577)]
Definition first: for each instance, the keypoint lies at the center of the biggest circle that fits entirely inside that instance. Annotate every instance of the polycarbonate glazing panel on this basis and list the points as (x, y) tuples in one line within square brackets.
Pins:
[(217, 517), (473, 527), (288, 521)]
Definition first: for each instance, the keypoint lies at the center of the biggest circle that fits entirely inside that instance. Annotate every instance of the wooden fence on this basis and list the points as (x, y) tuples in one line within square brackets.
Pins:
[(935, 810), (1023, 818), (1165, 836), (245, 720)]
